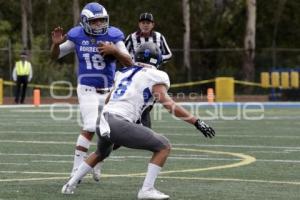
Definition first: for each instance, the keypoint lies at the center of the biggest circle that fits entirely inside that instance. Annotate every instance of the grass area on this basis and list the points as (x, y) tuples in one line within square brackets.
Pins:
[(36, 153)]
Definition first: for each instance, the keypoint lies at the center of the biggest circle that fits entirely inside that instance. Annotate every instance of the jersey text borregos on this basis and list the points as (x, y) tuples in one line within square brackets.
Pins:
[(94, 70)]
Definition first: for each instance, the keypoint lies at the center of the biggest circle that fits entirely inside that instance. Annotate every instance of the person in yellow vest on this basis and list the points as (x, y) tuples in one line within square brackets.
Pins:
[(22, 74)]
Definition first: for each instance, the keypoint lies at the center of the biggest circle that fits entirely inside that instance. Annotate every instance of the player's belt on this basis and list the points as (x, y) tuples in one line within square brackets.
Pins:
[(102, 90)]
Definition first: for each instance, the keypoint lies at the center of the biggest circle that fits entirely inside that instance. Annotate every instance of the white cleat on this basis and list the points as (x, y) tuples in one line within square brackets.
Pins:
[(67, 189), (152, 194), (96, 172)]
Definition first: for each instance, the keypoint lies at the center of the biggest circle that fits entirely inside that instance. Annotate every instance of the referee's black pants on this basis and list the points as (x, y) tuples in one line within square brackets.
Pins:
[(21, 89)]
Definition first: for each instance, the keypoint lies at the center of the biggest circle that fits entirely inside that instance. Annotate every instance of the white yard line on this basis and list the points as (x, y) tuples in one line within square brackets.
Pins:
[(233, 180), (42, 132), (175, 144), (47, 179), (168, 134), (13, 163), (34, 154), (117, 158), (238, 146), (27, 172), (51, 161), (35, 142)]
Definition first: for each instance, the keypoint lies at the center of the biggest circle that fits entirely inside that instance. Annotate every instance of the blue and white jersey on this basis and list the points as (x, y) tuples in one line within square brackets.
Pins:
[(94, 69), (133, 91)]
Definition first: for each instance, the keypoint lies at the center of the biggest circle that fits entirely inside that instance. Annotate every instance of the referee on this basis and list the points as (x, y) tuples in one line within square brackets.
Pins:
[(146, 33)]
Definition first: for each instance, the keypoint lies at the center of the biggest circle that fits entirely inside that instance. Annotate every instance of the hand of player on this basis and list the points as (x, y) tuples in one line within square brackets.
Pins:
[(57, 35), (107, 48), (205, 129)]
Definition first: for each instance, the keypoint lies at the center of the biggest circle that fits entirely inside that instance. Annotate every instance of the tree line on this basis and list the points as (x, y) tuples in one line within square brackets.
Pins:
[(208, 38)]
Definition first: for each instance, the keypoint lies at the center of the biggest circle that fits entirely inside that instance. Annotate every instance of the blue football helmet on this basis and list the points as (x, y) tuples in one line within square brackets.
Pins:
[(91, 12), (148, 53)]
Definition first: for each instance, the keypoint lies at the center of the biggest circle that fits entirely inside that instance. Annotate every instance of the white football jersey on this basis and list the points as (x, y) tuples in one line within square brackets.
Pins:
[(133, 91)]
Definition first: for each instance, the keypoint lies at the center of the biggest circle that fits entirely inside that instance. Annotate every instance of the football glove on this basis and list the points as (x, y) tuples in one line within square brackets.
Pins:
[(205, 129)]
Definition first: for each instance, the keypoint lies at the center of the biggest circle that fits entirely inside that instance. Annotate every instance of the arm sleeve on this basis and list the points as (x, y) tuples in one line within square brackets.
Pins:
[(121, 46), (166, 52), (30, 72), (66, 48)]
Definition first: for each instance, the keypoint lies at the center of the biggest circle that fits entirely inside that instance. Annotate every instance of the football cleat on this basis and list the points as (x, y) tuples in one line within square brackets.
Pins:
[(68, 189), (152, 194)]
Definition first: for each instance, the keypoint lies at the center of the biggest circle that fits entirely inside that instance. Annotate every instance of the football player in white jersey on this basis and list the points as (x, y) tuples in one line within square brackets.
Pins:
[(136, 88)]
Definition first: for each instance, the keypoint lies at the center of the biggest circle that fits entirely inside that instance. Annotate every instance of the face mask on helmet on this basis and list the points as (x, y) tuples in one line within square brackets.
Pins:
[(94, 19), (148, 53)]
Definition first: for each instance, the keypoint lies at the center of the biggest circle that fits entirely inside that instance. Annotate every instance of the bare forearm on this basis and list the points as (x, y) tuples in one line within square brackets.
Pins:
[(55, 51), (180, 112)]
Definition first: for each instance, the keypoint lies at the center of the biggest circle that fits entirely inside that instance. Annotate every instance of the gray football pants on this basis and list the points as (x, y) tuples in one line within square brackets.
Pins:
[(128, 134)]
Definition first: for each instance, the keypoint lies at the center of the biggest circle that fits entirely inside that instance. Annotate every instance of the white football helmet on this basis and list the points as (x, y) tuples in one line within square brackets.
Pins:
[(92, 11)]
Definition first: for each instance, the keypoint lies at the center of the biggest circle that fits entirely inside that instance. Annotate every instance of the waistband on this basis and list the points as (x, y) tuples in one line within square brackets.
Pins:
[(93, 89)]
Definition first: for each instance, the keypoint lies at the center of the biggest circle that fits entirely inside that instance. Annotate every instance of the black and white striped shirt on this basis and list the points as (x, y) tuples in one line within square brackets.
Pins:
[(135, 39)]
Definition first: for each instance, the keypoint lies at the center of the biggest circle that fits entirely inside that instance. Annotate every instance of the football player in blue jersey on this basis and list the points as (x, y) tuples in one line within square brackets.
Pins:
[(98, 46)]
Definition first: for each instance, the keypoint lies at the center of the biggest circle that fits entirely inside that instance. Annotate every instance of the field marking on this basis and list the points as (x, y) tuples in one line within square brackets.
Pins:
[(245, 160), (54, 110), (26, 172), (237, 136), (175, 157), (35, 154), (36, 142), (32, 179), (167, 134), (165, 177), (14, 164), (232, 180), (51, 161), (274, 152), (36, 124), (174, 144), (42, 132), (237, 146)]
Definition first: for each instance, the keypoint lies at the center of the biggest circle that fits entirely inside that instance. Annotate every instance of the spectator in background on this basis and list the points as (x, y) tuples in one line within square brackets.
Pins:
[(146, 33), (22, 74)]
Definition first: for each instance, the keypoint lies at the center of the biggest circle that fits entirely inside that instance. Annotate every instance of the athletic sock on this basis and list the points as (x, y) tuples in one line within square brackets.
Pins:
[(82, 170), (79, 157), (152, 173)]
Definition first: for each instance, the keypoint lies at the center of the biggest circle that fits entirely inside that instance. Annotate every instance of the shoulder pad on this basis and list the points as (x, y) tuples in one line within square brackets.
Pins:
[(74, 32), (115, 34), (159, 77)]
